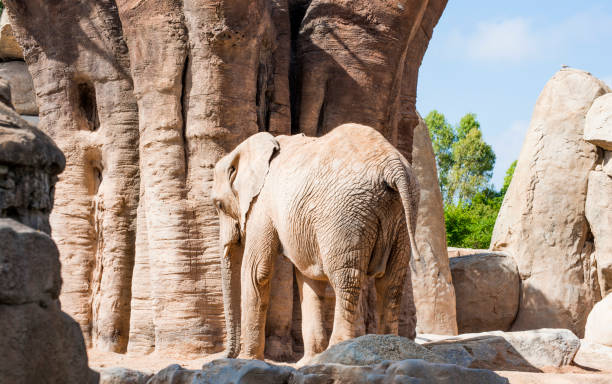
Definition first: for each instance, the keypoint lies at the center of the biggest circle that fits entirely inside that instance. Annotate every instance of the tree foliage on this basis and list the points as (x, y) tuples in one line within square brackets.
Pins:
[(465, 165)]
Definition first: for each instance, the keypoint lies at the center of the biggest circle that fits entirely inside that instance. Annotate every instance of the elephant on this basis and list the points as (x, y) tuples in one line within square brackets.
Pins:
[(340, 207)]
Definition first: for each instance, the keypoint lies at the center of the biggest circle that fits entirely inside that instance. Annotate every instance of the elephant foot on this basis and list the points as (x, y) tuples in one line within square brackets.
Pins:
[(304, 360)]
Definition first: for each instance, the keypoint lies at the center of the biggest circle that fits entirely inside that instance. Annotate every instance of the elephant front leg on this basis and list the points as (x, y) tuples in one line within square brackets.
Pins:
[(257, 269), (312, 295)]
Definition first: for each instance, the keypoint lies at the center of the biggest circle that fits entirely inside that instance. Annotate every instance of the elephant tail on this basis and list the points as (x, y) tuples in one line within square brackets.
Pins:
[(399, 176)]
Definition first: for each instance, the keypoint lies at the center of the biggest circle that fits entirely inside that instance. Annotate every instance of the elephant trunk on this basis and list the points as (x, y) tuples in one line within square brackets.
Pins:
[(230, 277)]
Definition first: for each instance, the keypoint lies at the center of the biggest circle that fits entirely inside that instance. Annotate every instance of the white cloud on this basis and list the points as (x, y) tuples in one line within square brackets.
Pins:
[(507, 146), (511, 39), (520, 39)]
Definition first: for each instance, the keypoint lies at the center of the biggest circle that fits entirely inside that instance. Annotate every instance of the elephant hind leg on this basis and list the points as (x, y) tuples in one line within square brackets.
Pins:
[(312, 295), (347, 283), (395, 302)]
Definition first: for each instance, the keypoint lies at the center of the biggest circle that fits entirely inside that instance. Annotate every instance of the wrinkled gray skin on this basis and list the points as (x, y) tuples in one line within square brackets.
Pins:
[(337, 207)]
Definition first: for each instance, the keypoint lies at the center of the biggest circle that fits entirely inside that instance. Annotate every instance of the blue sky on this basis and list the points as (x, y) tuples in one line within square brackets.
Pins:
[(493, 58)]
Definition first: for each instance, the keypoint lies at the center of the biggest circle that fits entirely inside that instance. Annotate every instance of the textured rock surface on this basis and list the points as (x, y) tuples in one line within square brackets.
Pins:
[(542, 221), (599, 323), (487, 286), (515, 351), (22, 88), (599, 215), (39, 343), (456, 252), (434, 295), (598, 123), (123, 376), (226, 371), (9, 48), (594, 355), (373, 349), (146, 96)]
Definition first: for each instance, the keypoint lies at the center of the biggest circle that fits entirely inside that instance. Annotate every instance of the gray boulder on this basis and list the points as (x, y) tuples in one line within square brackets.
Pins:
[(374, 349)]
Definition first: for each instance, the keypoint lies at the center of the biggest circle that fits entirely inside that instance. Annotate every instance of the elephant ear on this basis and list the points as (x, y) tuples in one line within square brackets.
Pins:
[(252, 168)]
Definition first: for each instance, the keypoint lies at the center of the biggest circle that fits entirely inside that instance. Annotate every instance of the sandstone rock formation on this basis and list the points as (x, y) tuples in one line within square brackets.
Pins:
[(9, 48), (542, 221), (434, 294), (598, 124), (599, 323), (512, 351), (22, 88), (39, 343), (599, 215), (146, 96), (227, 371), (594, 356), (487, 286)]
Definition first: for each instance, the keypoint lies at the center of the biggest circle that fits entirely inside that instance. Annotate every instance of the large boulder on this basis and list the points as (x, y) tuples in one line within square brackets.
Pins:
[(599, 323), (30, 269), (119, 375), (9, 48), (593, 355), (22, 88), (226, 371), (598, 124), (433, 292), (542, 221), (515, 351), (487, 286), (599, 215), (373, 349)]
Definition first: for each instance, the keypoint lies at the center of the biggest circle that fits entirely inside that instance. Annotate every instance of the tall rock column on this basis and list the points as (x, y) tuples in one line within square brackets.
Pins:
[(38, 342), (542, 221), (80, 70), (434, 294)]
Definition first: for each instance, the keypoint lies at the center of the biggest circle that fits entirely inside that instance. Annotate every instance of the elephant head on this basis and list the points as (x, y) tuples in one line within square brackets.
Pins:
[(238, 179)]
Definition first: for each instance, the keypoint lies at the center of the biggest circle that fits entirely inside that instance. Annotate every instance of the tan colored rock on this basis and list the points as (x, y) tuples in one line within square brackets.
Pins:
[(542, 220), (22, 88), (434, 294), (512, 351), (599, 215), (9, 48), (607, 163), (599, 323), (598, 124), (594, 355), (487, 286), (456, 252)]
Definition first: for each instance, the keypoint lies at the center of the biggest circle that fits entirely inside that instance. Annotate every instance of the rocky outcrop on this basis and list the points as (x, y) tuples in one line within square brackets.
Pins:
[(542, 221), (123, 376), (144, 98), (9, 48), (22, 88), (512, 351), (39, 342), (599, 216), (594, 355), (487, 286), (434, 295), (374, 349), (599, 323), (227, 371), (598, 123)]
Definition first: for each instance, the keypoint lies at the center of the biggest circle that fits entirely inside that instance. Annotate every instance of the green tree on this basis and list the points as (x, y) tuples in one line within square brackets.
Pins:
[(508, 177), (473, 162), (465, 162)]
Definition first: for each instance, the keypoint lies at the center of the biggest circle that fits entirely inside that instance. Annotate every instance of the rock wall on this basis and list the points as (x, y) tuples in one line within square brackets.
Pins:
[(542, 222), (144, 96), (39, 342)]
